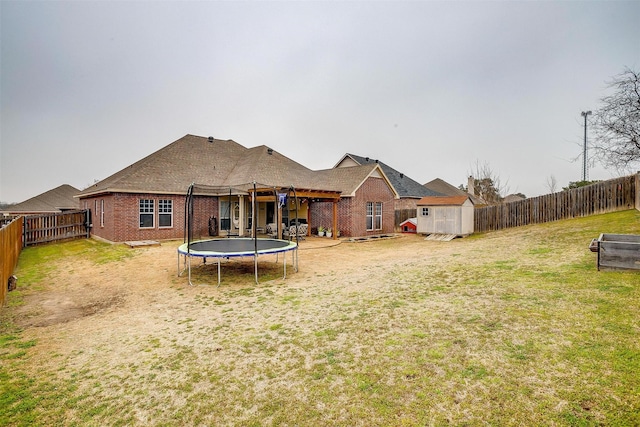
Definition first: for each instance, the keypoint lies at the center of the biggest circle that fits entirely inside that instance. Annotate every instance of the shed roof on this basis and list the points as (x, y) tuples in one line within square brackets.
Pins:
[(443, 201)]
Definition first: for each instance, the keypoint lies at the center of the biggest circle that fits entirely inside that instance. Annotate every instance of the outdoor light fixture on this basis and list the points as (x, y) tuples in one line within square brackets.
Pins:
[(585, 173)]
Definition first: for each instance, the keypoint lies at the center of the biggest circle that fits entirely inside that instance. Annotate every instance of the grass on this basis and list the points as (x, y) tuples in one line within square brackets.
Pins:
[(529, 335)]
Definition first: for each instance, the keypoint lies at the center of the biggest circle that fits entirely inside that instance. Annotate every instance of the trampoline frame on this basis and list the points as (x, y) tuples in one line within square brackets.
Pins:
[(188, 252)]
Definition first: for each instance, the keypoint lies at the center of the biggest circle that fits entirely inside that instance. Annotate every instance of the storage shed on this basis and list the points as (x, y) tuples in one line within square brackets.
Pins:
[(445, 215)]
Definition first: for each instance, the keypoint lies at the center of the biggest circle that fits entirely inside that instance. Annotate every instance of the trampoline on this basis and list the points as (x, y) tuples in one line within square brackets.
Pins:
[(225, 248), (230, 248)]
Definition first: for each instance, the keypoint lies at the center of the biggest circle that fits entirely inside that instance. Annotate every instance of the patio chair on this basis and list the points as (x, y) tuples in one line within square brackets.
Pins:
[(301, 231), (272, 231)]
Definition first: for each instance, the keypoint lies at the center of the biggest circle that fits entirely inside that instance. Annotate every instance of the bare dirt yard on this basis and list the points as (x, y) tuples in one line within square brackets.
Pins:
[(398, 331)]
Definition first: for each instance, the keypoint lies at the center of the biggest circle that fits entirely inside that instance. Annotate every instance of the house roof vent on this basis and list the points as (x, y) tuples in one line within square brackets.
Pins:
[(210, 139), (270, 151), (366, 159)]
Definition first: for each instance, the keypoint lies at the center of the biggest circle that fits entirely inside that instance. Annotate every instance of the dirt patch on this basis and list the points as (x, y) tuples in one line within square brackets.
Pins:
[(80, 290)]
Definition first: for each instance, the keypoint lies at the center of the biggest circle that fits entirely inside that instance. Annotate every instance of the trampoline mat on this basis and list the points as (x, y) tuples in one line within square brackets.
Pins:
[(236, 247)]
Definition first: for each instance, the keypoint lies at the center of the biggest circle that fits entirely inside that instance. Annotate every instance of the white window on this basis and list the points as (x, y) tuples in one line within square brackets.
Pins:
[(374, 216), (165, 213), (425, 211), (378, 216), (102, 213), (146, 213)]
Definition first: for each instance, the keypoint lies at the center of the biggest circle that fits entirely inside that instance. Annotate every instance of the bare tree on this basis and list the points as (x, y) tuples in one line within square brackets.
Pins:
[(616, 124), (552, 183), (487, 185)]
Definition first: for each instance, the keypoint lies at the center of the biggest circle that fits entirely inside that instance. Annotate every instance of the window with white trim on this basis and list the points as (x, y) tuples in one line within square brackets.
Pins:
[(378, 217), (374, 216), (425, 211), (101, 212), (165, 213), (146, 213)]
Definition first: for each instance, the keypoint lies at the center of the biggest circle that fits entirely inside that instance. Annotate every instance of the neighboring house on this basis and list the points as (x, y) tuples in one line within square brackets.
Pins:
[(146, 200), (409, 191), (513, 198), (445, 215), (445, 189), (57, 200)]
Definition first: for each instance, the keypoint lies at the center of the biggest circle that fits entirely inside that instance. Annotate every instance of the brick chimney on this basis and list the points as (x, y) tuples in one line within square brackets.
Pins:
[(471, 187)]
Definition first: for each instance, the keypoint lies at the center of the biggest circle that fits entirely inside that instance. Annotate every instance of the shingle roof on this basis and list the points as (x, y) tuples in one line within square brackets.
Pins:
[(443, 200), (444, 188), (196, 159), (55, 200), (345, 180), (404, 186), (447, 189)]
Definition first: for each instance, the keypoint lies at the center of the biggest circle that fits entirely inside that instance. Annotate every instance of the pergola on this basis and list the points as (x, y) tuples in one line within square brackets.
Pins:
[(271, 194)]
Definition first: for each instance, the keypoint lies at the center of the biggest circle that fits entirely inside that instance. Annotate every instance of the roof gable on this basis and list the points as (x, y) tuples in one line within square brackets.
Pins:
[(348, 180), (402, 184)]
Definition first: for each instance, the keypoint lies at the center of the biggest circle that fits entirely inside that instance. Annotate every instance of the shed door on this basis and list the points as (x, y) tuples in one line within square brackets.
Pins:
[(445, 219)]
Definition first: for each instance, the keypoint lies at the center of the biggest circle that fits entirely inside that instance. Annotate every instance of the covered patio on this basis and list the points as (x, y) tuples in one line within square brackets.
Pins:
[(277, 210)]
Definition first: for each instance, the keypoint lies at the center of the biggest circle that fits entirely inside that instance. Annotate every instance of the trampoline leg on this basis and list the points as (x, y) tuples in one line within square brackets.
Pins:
[(218, 272), (189, 263), (255, 267), (284, 261)]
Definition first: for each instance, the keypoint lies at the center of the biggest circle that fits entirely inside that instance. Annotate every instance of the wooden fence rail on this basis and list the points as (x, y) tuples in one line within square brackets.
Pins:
[(47, 228), (10, 247), (602, 197)]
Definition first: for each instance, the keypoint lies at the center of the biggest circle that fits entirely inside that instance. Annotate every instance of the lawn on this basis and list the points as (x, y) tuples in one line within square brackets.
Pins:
[(515, 327)]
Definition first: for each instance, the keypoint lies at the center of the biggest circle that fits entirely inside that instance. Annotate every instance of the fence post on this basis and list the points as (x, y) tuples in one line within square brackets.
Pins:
[(637, 190)]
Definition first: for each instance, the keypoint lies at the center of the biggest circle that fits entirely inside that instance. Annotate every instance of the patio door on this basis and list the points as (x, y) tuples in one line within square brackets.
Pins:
[(229, 215)]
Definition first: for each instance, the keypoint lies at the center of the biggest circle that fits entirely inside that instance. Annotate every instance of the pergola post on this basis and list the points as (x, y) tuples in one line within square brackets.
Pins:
[(335, 219)]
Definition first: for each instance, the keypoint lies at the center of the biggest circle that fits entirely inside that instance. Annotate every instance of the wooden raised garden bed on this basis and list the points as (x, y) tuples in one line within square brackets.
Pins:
[(617, 251)]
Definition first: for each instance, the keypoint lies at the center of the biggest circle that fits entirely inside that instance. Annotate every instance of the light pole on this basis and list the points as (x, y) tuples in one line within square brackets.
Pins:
[(584, 154)]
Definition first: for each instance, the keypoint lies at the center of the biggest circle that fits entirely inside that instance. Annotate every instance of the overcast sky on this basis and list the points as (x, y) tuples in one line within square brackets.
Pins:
[(430, 88)]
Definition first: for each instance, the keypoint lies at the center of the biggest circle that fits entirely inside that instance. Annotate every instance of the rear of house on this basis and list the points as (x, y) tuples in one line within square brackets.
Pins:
[(146, 201)]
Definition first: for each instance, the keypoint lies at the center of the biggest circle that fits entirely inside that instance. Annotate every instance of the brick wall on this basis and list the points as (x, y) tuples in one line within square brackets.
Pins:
[(352, 211), (122, 217)]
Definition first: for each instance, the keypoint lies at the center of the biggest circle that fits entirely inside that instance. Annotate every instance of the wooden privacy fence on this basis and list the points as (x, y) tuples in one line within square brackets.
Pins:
[(401, 215), (602, 197), (47, 228), (10, 247)]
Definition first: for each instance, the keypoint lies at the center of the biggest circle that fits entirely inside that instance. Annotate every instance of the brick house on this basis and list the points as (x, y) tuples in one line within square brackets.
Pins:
[(409, 191), (146, 200), (59, 199)]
